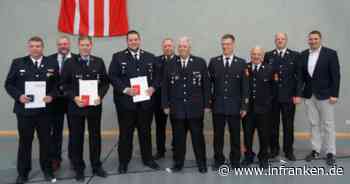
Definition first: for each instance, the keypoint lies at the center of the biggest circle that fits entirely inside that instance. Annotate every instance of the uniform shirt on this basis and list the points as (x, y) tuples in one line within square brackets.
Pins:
[(184, 62), (61, 59), (256, 65), (312, 61), (38, 61), (230, 59), (283, 52), (137, 53)]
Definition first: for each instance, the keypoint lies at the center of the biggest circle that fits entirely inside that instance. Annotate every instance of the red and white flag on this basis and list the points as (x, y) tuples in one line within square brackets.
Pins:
[(93, 17)]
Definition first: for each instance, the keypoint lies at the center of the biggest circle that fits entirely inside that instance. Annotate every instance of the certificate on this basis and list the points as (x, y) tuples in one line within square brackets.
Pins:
[(88, 91), (140, 85), (36, 91)]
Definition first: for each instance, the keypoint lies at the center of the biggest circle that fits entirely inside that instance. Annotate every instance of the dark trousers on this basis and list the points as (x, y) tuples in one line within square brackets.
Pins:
[(56, 135), (234, 125), (180, 128), (77, 133), (260, 122), (161, 121), (129, 120), (27, 125), (287, 110)]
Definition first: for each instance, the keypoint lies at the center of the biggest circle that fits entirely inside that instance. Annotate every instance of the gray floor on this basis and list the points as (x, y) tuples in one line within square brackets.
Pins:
[(140, 174)]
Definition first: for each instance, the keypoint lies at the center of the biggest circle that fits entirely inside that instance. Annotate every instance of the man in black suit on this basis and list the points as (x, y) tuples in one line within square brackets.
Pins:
[(185, 96), (260, 105), (127, 64), (320, 88), (81, 68), (287, 72), (60, 105), (34, 67), (230, 85), (160, 117)]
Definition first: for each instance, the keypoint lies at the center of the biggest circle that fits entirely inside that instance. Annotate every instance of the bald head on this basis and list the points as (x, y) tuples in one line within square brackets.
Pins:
[(184, 47), (281, 40), (257, 55)]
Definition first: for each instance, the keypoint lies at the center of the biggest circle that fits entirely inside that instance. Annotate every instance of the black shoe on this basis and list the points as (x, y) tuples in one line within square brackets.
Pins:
[(176, 168), (152, 164), (313, 155), (330, 160), (273, 154), (49, 176), (21, 179), (79, 176), (217, 165), (123, 168), (159, 155), (202, 169), (291, 157), (99, 172), (264, 164), (235, 165), (247, 161)]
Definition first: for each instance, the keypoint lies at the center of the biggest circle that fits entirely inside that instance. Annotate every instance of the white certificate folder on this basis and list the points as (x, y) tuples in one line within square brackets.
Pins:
[(37, 91), (89, 88), (141, 84)]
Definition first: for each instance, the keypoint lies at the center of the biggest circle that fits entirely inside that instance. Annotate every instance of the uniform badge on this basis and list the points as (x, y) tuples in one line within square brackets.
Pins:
[(246, 101), (49, 74)]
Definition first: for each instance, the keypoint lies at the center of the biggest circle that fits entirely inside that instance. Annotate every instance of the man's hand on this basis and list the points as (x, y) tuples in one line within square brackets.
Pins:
[(243, 114), (24, 99), (296, 100), (130, 92), (167, 111), (150, 91), (98, 101), (47, 99), (333, 100), (207, 110), (78, 101)]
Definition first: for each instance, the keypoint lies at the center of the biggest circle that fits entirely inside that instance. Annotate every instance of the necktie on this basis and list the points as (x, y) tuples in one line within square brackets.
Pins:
[(136, 57), (280, 54), (36, 64), (183, 65), (255, 68), (227, 62)]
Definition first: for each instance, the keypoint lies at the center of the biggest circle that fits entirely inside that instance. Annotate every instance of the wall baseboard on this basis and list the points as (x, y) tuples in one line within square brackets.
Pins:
[(114, 132)]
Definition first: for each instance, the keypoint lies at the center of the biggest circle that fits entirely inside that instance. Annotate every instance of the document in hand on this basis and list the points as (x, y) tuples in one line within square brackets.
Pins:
[(140, 85), (36, 90), (88, 91)]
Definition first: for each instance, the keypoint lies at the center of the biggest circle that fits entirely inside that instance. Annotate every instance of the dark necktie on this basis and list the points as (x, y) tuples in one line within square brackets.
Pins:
[(36, 64), (280, 54), (136, 57), (227, 62)]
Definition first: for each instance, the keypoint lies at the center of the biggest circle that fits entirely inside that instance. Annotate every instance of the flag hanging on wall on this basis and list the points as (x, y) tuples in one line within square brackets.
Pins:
[(93, 17)]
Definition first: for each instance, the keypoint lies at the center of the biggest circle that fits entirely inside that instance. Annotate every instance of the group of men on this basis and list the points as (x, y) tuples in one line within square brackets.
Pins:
[(182, 87)]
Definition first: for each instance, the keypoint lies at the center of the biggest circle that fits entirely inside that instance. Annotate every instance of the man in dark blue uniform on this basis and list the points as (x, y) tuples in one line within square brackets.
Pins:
[(60, 105), (34, 67), (185, 96), (229, 100), (127, 64), (81, 68), (287, 68), (260, 104), (160, 117)]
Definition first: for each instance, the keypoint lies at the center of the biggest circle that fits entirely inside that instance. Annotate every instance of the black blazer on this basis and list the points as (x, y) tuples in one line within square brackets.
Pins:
[(60, 103), (123, 67), (22, 70), (186, 92), (287, 73), (230, 87), (73, 71), (325, 81), (262, 89)]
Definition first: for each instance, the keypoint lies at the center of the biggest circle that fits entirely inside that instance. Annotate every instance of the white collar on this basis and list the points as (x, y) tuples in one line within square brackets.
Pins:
[(282, 50), (68, 55), (184, 60), (38, 60), (230, 57), (133, 52)]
